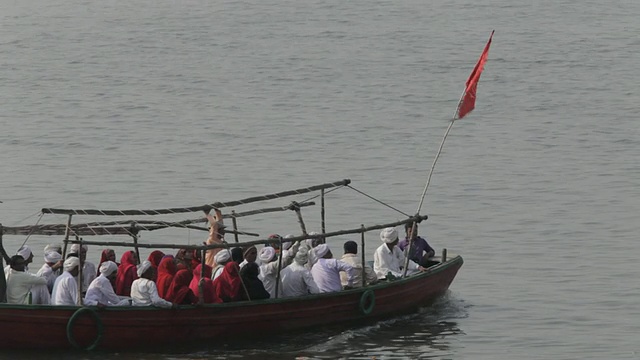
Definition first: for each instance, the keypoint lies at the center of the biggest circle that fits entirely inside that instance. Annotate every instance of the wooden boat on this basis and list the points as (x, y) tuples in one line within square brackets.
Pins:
[(128, 328)]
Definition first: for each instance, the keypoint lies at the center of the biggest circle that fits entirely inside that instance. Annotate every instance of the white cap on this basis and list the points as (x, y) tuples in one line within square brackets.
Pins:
[(71, 263), (108, 267), (24, 251), (223, 256), (142, 268), (52, 257), (321, 250), (267, 254)]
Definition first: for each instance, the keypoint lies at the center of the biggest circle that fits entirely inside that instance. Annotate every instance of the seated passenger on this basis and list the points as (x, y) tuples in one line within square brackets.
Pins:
[(166, 272), (198, 278), (20, 282), (155, 257), (100, 292), (228, 285), (65, 289), (179, 292), (254, 286), (49, 271), (250, 256), (351, 257), (296, 279), (236, 255), (143, 289), (389, 259), (269, 267), (221, 259), (326, 271), (126, 273), (420, 249), (88, 268)]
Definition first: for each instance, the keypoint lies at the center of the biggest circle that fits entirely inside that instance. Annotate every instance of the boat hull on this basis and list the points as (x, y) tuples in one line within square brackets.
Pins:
[(129, 328)]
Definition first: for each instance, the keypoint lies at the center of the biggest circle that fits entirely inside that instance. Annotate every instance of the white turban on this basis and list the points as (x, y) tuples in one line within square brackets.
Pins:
[(388, 235), (24, 251), (75, 248), (267, 254), (302, 255), (71, 263), (53, 247), (108, 267), (321, 250), (142, 268), (52, 257), (286, 245), (222, 257)]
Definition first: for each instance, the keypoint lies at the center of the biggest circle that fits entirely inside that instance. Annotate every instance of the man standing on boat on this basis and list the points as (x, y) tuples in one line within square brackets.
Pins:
[(20, 283), (420, 252), (88, 268), (65, 289), (216, 236), (389, 259), (49, 271)]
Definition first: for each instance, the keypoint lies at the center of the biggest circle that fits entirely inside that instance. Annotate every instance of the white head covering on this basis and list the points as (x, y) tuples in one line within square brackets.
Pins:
[(287, 244), (388, 235), (71, 263), (302, 255), (142, 268), (75, 248), (24, 251), (52, 257), (53, 247), (222, 257), (267, 254), (321, 250), (108, 267)]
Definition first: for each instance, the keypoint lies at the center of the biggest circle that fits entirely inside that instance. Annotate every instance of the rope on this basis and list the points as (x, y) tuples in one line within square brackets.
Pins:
[(378, 201), (31, 232)]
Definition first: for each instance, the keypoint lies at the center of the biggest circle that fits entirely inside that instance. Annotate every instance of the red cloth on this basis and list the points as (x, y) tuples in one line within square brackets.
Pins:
[(209, 294), (468, 101), (105, 257), (155, 257), (127, 273), (166, 272), (227, 286), (179, 292)]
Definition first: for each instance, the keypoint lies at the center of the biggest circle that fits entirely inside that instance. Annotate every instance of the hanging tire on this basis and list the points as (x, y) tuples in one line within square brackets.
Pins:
[(367, 302), (72, 321)]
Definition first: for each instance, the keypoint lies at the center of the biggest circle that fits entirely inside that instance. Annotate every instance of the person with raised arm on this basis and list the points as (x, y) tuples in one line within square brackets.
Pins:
[(216, 235), (326, 271)]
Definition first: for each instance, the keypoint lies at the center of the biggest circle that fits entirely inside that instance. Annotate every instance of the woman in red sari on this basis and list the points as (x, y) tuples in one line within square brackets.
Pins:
[(127, 273), (207, 286), (179, 292), (107, 255), (155, 257), (228, 285), (166, 272)]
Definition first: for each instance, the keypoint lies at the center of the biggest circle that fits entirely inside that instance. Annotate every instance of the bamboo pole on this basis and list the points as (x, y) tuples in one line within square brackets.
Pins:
[(279, 268), (411, 238), (322, 213), (201, 282), (215, 205), (255, 242), (300, 220), (3, 280), (134, 235), (364, 274), (80, 271), (67, 231), (235, 225)]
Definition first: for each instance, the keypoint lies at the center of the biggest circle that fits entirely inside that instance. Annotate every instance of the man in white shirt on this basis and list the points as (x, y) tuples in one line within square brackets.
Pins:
[(351, 257), (88, 269), (26, 254), (49, 271), (20, 282), (65, 289), (296, 279), (221, 259), (100, 292), (389, 259), (326, 271), (144, 291), (269, 266)]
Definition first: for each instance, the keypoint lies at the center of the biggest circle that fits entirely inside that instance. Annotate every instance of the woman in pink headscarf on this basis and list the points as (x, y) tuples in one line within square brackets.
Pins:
[(179, 291), (127, 273), (228, 285), (207, 286), (155, 257)]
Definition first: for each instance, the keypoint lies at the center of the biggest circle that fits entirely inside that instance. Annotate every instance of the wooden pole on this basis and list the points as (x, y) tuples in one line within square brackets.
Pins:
[(300, 220), (67, 231), (235, 225), (322, 214), (364, 275), (279, 268), (80, 268), (408, 249), (134, 235), (444, 255), (3, 281), (201, 282)]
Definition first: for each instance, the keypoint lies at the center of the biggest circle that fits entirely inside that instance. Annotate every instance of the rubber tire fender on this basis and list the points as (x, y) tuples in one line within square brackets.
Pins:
[(72, 321)]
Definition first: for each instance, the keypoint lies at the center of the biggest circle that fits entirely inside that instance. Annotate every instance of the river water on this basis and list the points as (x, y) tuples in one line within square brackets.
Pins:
[(147, 104)]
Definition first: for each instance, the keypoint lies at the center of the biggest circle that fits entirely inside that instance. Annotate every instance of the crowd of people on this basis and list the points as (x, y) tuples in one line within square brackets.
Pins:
[(287, 268)]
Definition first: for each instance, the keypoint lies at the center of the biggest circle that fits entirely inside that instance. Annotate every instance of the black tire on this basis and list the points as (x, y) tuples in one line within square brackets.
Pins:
[(72, 321), (368, 297)]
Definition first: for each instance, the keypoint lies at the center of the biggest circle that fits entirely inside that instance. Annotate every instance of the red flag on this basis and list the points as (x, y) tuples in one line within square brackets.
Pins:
[(468, 100)]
